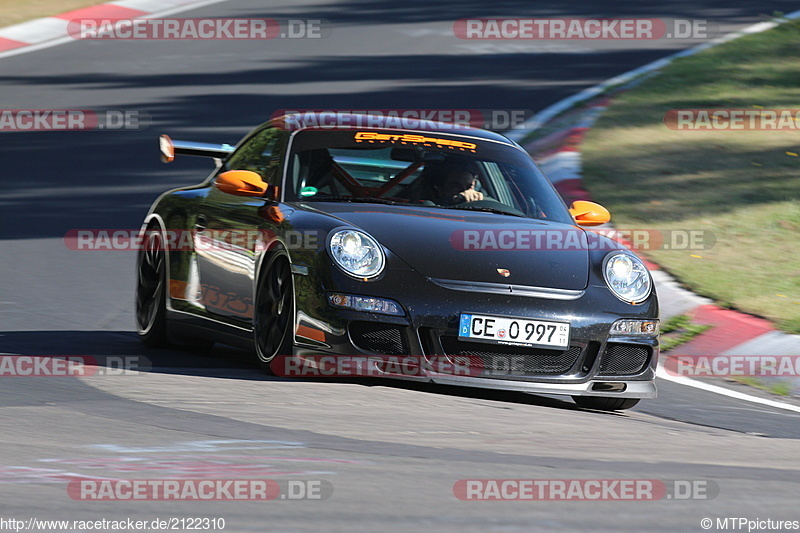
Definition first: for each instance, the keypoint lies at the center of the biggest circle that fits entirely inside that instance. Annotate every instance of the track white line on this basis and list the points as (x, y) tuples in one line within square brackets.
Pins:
[(722, 391)]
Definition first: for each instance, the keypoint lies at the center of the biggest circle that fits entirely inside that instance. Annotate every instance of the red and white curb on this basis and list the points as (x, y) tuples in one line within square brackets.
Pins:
[(558, 154), (52, 31)]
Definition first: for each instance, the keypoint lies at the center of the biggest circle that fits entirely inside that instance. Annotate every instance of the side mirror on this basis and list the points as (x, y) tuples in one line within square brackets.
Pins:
[(589, 213), (166, 148), (244, 183)]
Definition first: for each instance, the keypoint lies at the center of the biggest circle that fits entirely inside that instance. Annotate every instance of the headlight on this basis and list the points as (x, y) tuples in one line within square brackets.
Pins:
[(635, 326), (627, 277), (369, 304), (356, 253)]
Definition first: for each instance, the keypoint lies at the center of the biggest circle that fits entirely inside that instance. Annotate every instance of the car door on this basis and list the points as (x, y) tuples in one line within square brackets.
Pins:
[(229, 229)]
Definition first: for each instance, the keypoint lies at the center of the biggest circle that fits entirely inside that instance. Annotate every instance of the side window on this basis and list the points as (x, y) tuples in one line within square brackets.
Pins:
[(261, 153)]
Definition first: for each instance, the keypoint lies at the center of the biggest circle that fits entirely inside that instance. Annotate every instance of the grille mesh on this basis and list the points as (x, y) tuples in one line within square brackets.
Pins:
[(379, 338), (500, 359), (624, 359)]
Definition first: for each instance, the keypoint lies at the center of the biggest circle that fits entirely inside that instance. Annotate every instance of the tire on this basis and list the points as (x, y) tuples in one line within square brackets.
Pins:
[(151, 294), (600, 403), (273, 317)]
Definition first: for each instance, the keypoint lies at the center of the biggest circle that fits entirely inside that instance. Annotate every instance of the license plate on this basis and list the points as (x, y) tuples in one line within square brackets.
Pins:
[(515, 331)]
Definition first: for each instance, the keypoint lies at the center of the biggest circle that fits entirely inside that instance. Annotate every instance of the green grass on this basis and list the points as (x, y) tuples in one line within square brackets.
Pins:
[(781, 388), (679, 330), (741, 187)]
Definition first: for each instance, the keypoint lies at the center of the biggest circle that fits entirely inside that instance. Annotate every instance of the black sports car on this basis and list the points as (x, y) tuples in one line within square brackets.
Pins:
[(444, 251)]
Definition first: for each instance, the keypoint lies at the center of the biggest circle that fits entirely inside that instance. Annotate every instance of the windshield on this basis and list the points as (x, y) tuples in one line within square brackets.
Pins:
[(440, 170)]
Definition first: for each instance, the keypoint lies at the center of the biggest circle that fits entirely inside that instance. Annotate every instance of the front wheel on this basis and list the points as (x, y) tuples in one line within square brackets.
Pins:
[(151, 321), (273, 319), (600, 403)]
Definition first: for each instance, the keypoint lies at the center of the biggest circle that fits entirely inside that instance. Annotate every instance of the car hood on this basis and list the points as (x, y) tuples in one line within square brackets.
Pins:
[(475, 246)]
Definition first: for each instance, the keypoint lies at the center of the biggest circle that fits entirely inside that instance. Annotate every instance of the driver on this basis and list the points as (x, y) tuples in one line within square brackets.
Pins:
[(456, 186)]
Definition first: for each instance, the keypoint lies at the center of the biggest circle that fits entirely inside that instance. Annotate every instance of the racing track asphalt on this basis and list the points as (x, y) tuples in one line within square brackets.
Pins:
[(400, 446)]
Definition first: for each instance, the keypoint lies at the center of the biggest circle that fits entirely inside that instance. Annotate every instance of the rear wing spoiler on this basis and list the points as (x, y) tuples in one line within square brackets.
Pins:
[(169, 149)]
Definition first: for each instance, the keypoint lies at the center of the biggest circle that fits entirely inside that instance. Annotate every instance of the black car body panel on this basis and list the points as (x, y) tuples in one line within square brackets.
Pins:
[(214, 274)]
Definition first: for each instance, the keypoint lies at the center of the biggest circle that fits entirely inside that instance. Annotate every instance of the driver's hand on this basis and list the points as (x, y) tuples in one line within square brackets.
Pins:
[(470, 195)]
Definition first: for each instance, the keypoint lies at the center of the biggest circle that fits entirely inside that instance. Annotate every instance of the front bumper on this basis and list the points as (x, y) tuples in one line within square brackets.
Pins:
[(593, 387), (595, 364)]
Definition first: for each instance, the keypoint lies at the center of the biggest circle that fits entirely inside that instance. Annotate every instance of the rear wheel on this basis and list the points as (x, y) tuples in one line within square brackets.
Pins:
[(151, 321), (605, 404), (273, 319)]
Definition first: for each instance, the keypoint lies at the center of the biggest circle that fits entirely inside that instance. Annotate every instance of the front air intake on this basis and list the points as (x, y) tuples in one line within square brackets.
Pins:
[(379, 338), (624, 359)]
